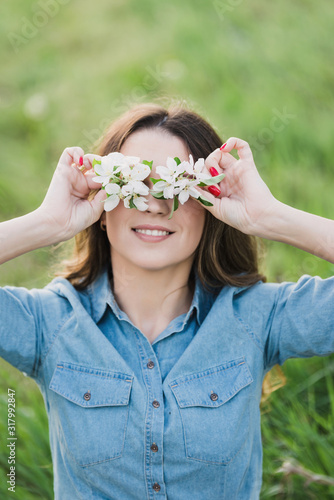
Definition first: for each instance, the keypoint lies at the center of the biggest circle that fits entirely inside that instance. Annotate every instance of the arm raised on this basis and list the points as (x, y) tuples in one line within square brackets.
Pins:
[(64, 212), (246, 203)]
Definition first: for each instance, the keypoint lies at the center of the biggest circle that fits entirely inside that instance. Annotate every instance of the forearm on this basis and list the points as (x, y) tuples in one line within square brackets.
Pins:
[(303, 230), (24, 234)]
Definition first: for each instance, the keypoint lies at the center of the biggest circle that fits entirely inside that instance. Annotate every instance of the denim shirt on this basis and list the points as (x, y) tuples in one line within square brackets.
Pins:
[(178, 418)]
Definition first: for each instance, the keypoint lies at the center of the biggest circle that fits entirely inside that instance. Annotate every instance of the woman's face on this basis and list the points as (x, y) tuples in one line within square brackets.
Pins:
[(186, 225)]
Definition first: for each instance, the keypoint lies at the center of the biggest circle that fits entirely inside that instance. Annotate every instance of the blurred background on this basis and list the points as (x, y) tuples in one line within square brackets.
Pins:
[(259, 70)]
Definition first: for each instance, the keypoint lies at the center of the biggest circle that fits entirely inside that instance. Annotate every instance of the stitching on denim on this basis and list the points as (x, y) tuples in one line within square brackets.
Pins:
[(54, 336), (254, 338), (208, 372), (95, 374)]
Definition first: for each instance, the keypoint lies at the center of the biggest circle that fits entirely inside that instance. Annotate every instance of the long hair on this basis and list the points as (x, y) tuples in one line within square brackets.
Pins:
[(224, 256)]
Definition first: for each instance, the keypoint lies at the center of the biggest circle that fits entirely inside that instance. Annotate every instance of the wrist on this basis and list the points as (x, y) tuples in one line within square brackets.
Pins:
[(275, 222), (46, 231)]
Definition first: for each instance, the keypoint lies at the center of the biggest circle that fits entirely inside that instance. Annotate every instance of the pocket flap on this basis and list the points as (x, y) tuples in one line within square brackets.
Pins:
[(91, 387), (212, 387)]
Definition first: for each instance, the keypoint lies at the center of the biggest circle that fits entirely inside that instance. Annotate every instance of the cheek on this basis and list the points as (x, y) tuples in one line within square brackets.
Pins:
[(194, 212), (116, 222), (194, 218)]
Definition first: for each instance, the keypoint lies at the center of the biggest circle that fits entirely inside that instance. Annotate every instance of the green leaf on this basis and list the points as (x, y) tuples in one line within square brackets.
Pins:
[(175, 206), (178, 161), (148, 163), (157, 195), (212, 180), (132, 205), (155, 180), (205, 202), (94, 162)]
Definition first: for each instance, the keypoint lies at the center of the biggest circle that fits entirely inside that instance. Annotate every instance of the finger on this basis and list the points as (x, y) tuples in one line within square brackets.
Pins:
[(89, 178), (210, 197), (219, 161), (71, 155), (97, 203), (88, 160), (243, 148)]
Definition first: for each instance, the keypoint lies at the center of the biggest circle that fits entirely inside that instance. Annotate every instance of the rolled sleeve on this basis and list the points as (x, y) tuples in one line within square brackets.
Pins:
[(20, 328), (302, 320)]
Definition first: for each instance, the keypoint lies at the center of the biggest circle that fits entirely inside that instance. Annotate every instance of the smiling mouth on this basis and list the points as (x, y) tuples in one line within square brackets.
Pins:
[(152, 232)]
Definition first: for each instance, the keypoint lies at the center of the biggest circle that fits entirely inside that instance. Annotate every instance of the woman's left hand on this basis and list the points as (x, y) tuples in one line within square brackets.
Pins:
[(245, 200)]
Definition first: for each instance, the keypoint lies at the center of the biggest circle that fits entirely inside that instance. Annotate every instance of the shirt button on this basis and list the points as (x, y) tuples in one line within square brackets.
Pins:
[(154, 447), (214, 396), (150, 364), (87, 396), (156, 487), (156, 403)]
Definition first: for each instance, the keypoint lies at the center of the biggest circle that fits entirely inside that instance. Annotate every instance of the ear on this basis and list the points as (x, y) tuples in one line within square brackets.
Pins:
[(103, 217)]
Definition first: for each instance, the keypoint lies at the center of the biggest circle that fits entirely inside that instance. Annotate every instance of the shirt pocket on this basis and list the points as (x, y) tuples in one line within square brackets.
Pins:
[(90, 407), (215, 411)]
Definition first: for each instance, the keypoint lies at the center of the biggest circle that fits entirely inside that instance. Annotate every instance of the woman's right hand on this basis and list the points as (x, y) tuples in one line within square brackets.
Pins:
[(66, 207)]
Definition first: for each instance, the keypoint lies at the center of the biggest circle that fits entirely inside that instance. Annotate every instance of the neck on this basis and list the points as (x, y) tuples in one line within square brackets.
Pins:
[(151, 298)]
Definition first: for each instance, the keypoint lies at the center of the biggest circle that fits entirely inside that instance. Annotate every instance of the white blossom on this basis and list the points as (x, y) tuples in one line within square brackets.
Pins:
[(112, 201), (186, 188), (196, 169), (110, 165)]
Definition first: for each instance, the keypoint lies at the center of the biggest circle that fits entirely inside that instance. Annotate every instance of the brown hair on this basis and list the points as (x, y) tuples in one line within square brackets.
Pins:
[(224, 256)]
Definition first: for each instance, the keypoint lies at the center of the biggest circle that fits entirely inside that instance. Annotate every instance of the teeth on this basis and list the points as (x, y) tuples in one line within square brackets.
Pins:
[(155, 232)]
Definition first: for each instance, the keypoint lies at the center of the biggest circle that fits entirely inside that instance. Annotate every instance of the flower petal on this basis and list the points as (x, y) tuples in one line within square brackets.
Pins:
[(111, 203), (112, 188), (159, 186), (194, 193), (163, 171), (132, 160), (199, 165), (141, 203), (140, 172), (140, 188), (171, 163), (183, 196), (127, 189), (169, 192)]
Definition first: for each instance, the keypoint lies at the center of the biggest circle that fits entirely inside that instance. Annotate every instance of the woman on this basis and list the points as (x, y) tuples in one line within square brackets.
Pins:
[(151, 350)]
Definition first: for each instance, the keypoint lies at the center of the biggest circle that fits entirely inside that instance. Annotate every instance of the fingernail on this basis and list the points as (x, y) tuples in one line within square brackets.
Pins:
[(213, 171), (222, 147), (214, 190), (81, 161)]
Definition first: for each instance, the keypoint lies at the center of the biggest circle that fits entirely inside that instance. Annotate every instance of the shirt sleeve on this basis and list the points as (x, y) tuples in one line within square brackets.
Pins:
[(301, 321), (20, 328)]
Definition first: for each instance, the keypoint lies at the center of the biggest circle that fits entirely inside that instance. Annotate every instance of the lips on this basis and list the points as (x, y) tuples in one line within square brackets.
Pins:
[(152, 228)]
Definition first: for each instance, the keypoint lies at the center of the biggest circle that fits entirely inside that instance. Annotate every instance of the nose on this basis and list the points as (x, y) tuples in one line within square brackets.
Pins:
[(158, 205)]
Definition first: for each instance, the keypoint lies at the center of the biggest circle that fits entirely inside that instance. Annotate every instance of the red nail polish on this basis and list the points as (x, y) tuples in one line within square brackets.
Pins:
[(213, 171), (214, 190), (81, 161), (222, 146)]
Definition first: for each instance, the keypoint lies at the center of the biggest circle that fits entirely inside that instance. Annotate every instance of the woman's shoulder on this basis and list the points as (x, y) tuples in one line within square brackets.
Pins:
[(263, 297)]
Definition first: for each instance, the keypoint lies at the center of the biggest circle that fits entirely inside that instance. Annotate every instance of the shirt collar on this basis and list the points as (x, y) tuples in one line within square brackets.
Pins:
[(101, 295)]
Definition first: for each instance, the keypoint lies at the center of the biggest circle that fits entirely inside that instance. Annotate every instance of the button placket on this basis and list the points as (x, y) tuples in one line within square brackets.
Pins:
[(155, 417)]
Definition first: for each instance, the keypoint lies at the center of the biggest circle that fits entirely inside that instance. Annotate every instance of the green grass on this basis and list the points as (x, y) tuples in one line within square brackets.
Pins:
[(237, 65)]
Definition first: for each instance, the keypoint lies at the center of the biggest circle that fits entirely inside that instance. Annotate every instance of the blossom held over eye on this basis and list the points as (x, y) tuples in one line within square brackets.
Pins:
[(108, 166), (122, 177), (114, 192)]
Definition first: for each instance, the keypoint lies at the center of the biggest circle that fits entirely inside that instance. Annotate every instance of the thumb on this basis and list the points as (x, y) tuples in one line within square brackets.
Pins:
[(97, 204), (209, 197)]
